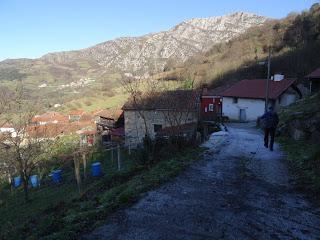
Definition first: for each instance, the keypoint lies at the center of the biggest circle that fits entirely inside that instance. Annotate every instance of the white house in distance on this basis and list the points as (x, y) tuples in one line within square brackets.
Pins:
[(245, 100), (8, 128)]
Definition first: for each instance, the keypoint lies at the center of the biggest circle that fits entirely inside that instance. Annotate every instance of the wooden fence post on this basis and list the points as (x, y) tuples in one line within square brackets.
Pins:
[(129, 147), (119, 158), (112, 156), (84, 162), (77, 171)]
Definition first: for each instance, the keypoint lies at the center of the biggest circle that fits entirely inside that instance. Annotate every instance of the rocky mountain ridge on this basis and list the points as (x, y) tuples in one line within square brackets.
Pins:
[(135, 55)]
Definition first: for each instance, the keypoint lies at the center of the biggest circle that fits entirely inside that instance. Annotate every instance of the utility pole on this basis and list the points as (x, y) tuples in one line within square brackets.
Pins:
[(268, 79)]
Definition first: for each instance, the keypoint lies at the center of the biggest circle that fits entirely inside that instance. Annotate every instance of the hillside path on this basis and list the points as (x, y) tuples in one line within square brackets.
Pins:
[(240, 190)]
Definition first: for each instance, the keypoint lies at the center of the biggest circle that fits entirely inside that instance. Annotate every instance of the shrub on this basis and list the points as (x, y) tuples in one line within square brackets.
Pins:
[(88, 103), (109, 93)]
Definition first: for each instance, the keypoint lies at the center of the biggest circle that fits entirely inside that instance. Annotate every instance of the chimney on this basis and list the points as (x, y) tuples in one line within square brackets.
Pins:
[(278, 77), (204, 88)]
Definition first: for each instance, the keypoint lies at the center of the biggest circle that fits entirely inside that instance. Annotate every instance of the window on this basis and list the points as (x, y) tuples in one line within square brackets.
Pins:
[(235, 100), (157, 127), (211, 107)]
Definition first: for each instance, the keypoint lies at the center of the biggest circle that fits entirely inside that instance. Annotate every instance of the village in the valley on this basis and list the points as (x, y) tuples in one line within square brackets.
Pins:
[(243, 101)]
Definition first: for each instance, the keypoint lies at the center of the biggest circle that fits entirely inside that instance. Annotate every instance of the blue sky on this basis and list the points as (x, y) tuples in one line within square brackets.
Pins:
[(31, 28)]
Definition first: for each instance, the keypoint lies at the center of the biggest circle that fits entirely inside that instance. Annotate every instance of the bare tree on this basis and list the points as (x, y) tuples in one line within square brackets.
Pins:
[(178, 107), (182, 110), (5, 98), (28, 146), (139, 89)]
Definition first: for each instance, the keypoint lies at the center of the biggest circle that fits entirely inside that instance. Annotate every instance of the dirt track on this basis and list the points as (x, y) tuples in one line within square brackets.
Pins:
[(240, 190)]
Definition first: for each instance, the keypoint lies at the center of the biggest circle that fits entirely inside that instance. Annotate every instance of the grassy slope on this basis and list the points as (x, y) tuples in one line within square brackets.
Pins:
[(304, 155), (304, 109), (61, 213), (116, 97), (97, 101), (304, 161)]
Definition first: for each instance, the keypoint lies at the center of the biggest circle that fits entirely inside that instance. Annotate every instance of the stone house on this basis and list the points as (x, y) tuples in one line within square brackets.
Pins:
[(314, 80), (245, 100), (151, 114), (108, 118), (109, 124)]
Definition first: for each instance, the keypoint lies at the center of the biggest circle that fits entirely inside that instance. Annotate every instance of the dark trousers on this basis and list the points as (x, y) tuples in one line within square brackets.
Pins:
[(267, 132)]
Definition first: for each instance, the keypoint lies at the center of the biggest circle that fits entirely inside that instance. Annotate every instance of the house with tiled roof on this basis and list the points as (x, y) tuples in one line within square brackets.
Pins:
[(108, 118), (211, 103), (47, 131), (109, 121), (314, 80), (75, 115), (245, 100), (49, 118), (152, 114)]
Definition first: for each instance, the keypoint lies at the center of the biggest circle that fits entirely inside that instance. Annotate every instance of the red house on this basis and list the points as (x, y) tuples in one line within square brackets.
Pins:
[(211, 103)]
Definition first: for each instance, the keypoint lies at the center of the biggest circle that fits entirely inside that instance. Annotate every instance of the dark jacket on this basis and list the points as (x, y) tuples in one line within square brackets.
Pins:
[(270, 119)]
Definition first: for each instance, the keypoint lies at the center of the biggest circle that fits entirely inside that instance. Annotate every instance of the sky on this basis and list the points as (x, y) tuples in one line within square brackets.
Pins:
[(32, 28)]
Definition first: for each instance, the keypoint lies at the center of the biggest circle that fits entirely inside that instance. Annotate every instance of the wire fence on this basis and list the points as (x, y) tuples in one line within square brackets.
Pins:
[(69, 178)]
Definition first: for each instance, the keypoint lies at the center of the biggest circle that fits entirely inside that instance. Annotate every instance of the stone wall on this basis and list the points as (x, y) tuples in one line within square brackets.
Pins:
[(302, 127), (135, 129)]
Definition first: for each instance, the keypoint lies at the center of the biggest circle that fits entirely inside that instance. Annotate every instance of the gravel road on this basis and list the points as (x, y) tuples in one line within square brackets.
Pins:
[(240, 190)]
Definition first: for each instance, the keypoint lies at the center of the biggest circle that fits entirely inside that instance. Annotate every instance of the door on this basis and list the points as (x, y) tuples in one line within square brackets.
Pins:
[(243, 116)]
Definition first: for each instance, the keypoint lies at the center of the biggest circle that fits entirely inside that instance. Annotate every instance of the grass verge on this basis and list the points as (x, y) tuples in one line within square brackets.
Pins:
[(304, 162), (64, 214)]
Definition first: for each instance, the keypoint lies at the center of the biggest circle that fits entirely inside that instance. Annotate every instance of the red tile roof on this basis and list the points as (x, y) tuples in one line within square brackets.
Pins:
[(50, 117), (46, 131), (256, 88), (168, 100), (77, 112), (81, 125), (85, 117), (109, 113), (314, 74), (214, 92)]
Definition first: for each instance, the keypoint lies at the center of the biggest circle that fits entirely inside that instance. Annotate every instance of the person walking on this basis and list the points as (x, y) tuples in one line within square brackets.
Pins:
[(270, 121)]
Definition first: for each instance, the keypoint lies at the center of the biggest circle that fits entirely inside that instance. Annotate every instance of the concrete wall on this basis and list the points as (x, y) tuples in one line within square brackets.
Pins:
[(254, 108), (285, 100), (135, 129)]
